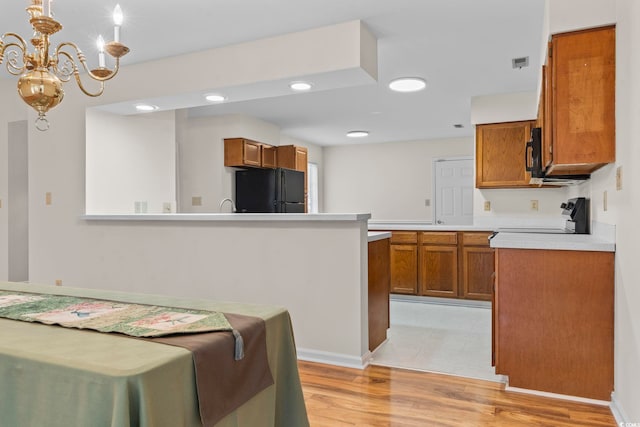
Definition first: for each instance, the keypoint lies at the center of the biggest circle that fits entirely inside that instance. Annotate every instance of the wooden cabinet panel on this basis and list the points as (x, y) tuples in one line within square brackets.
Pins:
[(269, 156), (477, 272), (379, 270), (476, 238), (407, 237), (242, 152), (554, 321), (439, 270), (292, 157), (439, 238), (404, 269), (500, 150), (582, 107)]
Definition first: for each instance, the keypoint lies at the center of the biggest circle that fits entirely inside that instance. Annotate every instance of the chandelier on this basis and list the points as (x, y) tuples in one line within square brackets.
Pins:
[(42, 73)]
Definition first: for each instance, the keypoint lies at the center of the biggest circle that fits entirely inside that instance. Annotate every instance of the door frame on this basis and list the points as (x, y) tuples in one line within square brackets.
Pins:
[(433, 180)]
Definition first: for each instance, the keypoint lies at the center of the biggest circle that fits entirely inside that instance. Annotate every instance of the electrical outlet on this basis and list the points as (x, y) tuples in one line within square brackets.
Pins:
[(534, 205), (47, 198), (487, 205), (196, 201), (166, 207), (619, 178), (58, 282), (604, 200)]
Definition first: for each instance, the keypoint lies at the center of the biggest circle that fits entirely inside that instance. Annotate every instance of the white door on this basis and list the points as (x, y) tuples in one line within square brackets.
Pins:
[(453, 191)]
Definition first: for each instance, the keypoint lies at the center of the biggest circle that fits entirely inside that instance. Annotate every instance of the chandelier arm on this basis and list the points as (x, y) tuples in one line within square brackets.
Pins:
[(83, 61), (75, 71), (20, 45)]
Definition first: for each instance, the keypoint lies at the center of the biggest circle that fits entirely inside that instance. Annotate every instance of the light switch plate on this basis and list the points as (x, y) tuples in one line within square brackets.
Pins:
[(604, 200), (619, 178), (534, 205), (196, 201), (487, 205), (47, 198)]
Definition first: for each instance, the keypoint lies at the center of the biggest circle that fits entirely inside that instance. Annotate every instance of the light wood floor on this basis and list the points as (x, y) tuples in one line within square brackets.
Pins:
[(380, 396)]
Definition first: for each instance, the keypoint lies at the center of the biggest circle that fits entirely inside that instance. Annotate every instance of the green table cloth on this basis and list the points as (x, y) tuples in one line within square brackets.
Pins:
[(53, 376)]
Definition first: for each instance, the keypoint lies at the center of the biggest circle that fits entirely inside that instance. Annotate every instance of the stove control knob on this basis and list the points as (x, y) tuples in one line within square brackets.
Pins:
[(570, 205), (563, 205)]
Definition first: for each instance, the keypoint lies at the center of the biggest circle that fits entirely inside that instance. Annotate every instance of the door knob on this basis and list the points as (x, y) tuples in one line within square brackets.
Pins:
[(439, 222)]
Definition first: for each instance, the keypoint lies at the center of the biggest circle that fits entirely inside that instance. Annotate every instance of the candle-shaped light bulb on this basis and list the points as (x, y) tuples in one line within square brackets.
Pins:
[(118, 17), (46, 7), (100, 43)]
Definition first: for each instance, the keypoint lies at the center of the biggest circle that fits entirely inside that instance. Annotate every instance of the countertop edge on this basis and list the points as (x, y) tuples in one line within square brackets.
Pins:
[(230, 217), (374, 236)]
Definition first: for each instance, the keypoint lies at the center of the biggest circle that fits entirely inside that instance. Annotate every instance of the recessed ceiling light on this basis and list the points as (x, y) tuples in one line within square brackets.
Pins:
[(214, 97), (407, 84), (146, 107), (300, 86), (357, 134)]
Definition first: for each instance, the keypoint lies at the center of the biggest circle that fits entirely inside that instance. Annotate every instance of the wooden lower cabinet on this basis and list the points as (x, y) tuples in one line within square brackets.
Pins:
[(554, 317), (446, 264), (477, 266), (403, 254), (378, 292), (439, 271)]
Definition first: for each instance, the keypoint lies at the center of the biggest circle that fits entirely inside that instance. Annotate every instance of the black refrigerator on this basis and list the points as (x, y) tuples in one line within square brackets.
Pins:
[(270, 191)]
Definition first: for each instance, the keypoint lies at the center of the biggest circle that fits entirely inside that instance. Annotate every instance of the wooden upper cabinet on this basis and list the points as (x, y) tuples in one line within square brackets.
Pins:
[(269, 156), (292, 157), (500, 149), (242, 152), (581, 101)]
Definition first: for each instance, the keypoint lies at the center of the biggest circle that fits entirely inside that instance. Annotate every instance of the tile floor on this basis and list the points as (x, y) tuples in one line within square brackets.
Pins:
[(437, 337)]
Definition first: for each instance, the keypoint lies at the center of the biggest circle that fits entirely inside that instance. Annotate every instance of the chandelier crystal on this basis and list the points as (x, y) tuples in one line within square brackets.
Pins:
[(42, 72)]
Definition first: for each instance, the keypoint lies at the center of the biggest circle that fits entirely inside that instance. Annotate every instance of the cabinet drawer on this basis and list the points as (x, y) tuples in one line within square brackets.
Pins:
[(440, 237), (476, 239), (405, 237)]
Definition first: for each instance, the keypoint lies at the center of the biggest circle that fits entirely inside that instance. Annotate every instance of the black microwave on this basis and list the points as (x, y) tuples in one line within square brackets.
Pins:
[(533, 164)]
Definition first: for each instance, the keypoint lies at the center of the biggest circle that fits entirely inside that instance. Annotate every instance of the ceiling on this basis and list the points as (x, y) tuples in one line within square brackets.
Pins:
[(463, 48)]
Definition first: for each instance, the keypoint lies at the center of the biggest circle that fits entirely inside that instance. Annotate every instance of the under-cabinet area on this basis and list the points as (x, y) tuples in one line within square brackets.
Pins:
[(451, 264)]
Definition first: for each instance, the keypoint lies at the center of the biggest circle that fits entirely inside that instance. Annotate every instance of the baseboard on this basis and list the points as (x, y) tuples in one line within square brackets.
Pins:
[(618, 412), (337, 359), (442, 301), (558, 396)]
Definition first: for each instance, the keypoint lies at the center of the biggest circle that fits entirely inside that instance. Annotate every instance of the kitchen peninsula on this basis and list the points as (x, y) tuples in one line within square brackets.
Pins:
[(314, 265)]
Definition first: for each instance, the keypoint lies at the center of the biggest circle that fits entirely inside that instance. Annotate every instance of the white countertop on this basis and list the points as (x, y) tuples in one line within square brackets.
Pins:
[(567, 242), (372, 236), (230, 217), (423, 226)]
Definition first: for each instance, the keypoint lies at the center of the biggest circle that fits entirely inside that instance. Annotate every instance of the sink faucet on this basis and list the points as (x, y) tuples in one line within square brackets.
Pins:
[(233, 205)]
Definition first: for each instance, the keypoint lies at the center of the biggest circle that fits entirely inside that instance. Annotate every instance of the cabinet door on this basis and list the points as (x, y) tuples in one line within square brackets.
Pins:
[(404, 269), (252, 153), (500, 150), (583, 104), (269, 159), (439, 271), (477, 272), (242, 152), (301, 159)]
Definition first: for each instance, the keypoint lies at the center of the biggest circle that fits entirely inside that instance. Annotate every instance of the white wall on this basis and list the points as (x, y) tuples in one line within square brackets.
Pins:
[(130, 159), (389, 180), (201, 157), (201, 154), (624, 210), (12, 109)]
